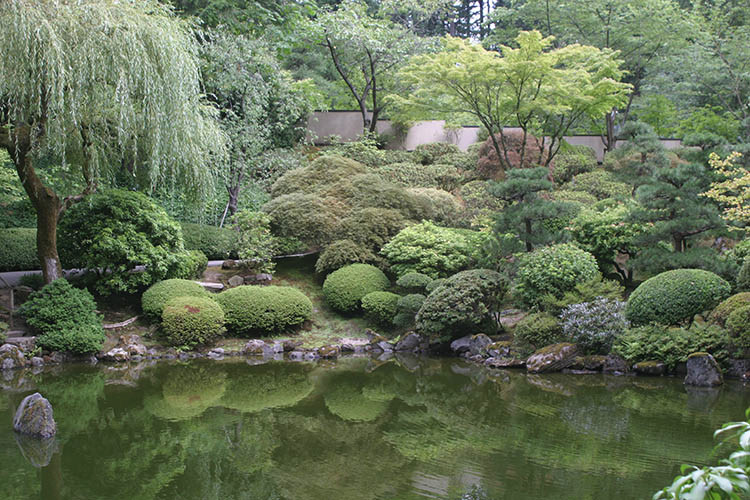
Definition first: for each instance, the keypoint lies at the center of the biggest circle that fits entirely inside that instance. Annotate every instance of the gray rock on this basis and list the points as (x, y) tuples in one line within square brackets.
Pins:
[(258, 279), (230, 264), (478, 344), (34, 417), (11, 357), (505, 363), (410, 342), (462, 345), (290, 345), (217, 353), (614, 364), (739, 368), (272, 349), (552, 358), (354, 345), (117, 355), (235, 281), (703, 371), (653, 368), (385, 346), (37, 361), (329, 351), (296, 356), (254, 346)]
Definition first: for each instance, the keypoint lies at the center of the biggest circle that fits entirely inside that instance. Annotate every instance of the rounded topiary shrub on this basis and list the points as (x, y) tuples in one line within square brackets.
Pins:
[(414, 282), (720, 314), (341, 253), (407, 309), (190, 264), (380, 307), (554, 270), (674, 297), (345, 288), (538, 330), (250, 310), (191, 321), (434, 284), (738, 324), (156, 297)]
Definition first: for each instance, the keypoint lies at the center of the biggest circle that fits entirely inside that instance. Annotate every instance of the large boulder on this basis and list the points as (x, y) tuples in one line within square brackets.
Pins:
[(703, 370), (34, 417), (410, 342), (11, 357), (254, 346), (117, 355), (614, 364), (462, 345), (479, 343), (552, 358)]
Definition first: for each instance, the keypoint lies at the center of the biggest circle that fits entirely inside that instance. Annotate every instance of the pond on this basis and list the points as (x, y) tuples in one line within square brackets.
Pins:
[(357, 428)]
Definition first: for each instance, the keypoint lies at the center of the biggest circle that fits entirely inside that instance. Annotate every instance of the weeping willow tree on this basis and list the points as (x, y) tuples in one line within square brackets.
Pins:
[(101, 86)]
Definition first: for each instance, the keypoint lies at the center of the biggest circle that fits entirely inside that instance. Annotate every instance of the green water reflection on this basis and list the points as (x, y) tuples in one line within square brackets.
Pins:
[(356, 429)]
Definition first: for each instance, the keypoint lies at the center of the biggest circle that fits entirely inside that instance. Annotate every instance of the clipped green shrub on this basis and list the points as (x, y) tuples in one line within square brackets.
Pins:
[(156, 297), (190, 265), (675, 297), (601, 184), (371, 227), (738, 324), (432, 152), (120, 230), (414, 282), (216, 243), (250, 310), (380, 307), (18, 250), (408, 175), (447, 177), (307, 217), (443, 207), (721, 312), (345, 288), (434, 284), (582, 197), (553, 270), (407, 308), (191, 321), (318, 173), (573, 160), (538, 330), (463, 302), (65, 317), (341, 253), (479, 202), (370, 190), (467, 162), (432, 250)]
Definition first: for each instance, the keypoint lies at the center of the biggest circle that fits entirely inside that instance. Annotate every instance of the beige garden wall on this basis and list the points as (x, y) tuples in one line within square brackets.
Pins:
[(347, 125)]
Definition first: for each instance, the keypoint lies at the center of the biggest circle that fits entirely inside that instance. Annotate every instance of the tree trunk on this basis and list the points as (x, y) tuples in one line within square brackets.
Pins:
[(611, 139), (678, 243), (529, 248), (234, 196)]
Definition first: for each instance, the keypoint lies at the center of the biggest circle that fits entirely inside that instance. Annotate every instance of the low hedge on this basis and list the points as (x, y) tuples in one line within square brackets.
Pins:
[(18, 251), (215, 242), (156, 297), (345, 288), (674, 297), (380, 307), (250, 310), (191, 321)]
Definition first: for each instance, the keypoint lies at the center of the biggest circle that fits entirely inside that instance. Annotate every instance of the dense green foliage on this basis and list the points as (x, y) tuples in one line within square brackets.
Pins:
[(117, 231), (414, 282), (18, 251), (264, 310), (65, 318), (538, 330), (407, 308), (216, 243), (190, 264), (345, 288), (465, 301), (553, 270), (571, 161), (191, 321), (675, 297), (255, 245), (341, 253), (594, 326), (156, 297), (720, 314), (738, 325), (380, 307)]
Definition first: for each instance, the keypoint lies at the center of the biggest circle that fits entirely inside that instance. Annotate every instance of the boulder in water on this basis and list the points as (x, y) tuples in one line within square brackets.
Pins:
[(552, 358), (703, 370), (34, 417)]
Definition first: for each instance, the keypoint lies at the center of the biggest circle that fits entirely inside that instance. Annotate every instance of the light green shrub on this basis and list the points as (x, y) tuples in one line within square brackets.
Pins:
[(156, 297), (573, 160), (191, 321), (721, 312), (444, 207), (345, 288), (190, 265), (307, 217), (216, 243), (430, 153), (250, 310), (341, 253), (380, 307), (601, 184), (414, 282), (18, 249), (320, 172), (738, 324), (538, 330), (371, 227)]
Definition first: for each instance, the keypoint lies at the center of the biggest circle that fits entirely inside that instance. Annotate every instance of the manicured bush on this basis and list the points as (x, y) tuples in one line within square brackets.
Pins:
[(190, 264), (408, 175), (341, 253), (371, 227), (675, 297), (345, 288), (582, 197), (156, 297), (738, 324), (595, 325), (365, 151), (601, 184), (464, 161), (430, 153), (554, 270), (307, 217), (216, 243), (464, 301), (322, 171), (370, 190), (119, 230), (573, 160), (720, 314), (671, 345), (434, 284), (250, 310), (443, 207), (65, 317), (380, 307), (18, 250), (447, 177), (538, 330), (191, 321), (414, 282), (407, 308), (479, 202), (432, 250)]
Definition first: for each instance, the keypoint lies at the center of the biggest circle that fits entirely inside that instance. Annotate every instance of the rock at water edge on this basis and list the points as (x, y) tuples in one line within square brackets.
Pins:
[(552, 358), (34, 417), (703, 370)]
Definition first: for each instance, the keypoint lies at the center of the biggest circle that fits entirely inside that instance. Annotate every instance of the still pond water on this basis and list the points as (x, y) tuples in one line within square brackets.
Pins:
[(356, 429)]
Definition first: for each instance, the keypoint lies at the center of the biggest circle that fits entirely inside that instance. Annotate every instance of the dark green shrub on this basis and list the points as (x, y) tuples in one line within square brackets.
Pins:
[(18, 249), (674, 297), (432, 250), (671, 345), (345, 288), (323, 171), (250, 310), (190, 265), (371, 227), (191, 321), (465, 301), (369, 190), (430, 153), (743, 278), (479, 202), (573, 160), (538, 330), (601, 184), (215, 242), (380, 307), (447, 177), (554, 270), (434, 284), (586, 291), (341, 253), (119, 230), (443, 207), (738, 324), (65, 317), (414, 282), (307, 217), (34, 281), (365, 151), (156, 297), (467, 162), (721, 312), (407, 308), (397, 156)]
